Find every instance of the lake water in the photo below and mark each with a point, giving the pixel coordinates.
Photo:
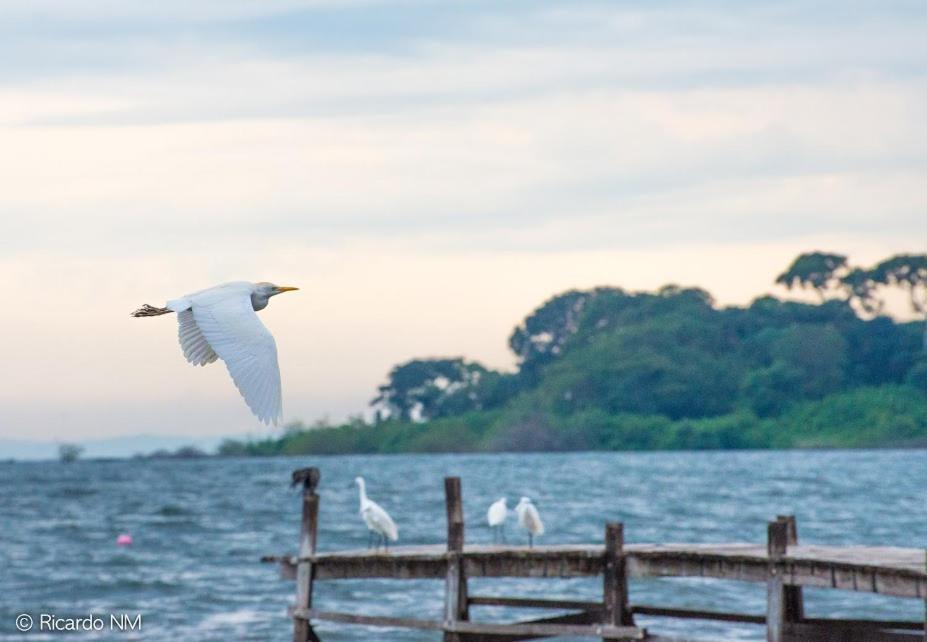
(200, 527)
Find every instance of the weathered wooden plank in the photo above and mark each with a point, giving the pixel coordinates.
(855, 569)
(368, 620)
(866, 624)
(836, 632)
(535, 603)
(691, 614)
(687, 566)
(535, 562)
(584, 617)
(534, 629)
(544, 629)
(862, 579)
(385, 566)
(744, 552)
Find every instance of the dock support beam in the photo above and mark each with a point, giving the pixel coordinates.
(776, 600)
(455, 591)
(615, 583)
(305, 574)
(794, 601)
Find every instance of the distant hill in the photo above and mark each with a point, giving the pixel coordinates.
(113, 447)
(610, 369)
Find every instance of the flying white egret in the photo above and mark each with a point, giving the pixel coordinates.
(220, 323)
(496, 516)
(378, 520)
(529, 519)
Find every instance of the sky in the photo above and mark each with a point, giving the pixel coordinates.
(426, 172)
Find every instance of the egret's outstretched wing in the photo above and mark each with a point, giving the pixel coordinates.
(235, 333)
(194, 345)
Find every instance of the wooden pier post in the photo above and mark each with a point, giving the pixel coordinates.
(615, 583)
(305, 574)
(794, 601)
(455, 596)
(777, 543)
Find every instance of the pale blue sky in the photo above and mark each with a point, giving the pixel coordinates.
(427, 171)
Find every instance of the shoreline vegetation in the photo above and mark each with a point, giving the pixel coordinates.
(883, 417)
(608, 369)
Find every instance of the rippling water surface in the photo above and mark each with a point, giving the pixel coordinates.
(200, 527)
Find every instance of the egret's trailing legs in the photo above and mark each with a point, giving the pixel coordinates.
(150, 311)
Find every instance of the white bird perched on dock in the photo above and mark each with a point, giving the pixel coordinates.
(220, 323)
(529, 519)
(496, 515)
(378, 520)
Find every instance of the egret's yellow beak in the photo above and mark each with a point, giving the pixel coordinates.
(285, 288)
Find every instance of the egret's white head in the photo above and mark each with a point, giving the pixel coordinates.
(359, 481)
(524, 500)
(264, 290)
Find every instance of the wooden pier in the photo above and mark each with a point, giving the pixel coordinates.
(782, 564)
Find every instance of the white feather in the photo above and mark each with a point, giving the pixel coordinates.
(528, 517)
(377, 519)
(224, 318)
(497, 513)
(195, 347)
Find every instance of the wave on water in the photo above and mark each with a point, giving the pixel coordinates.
(198, 533)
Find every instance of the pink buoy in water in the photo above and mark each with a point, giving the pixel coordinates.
(124, 540)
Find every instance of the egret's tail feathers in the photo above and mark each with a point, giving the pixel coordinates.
(150, 311)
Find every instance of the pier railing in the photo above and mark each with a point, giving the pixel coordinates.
(782, 564)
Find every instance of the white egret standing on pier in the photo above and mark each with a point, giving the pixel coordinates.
(220, 323)
(529, 519)
(378, 520)
(496, 515)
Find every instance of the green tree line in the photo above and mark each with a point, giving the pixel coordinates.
(606, 368)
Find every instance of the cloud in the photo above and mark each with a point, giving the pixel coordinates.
(810, 158)
(431, 171)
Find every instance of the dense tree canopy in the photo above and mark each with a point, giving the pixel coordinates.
(609, 368)
(819, 271)
(909, 272)
(424, 389)
(674, 353)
